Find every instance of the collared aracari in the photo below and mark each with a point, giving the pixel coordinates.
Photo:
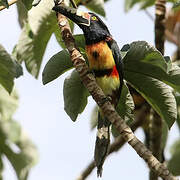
(105, 61)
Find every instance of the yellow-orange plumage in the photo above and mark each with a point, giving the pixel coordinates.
(104, 59)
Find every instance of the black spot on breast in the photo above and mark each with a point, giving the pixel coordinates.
(95, 54)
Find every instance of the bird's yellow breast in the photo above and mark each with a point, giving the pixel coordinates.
(99, 56)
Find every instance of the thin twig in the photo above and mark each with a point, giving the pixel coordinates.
(10, 3)
(108, 110)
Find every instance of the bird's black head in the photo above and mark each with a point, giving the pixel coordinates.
(93, 27)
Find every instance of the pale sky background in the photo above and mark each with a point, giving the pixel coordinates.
(66, 147)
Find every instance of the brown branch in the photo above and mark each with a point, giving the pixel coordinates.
(119, 141)
(10, 3)
(106, 107)
(160, 24)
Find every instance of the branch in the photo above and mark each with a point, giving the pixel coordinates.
(119, 141)
(160, 24)
(10, 3)
(106, 107)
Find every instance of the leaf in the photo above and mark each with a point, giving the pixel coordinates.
(143, 3)
(23, 161)
(4, 3)
(11, 130)
(141, 54)
(27, 3)
(124, 50)
(35, 36)
(75, 96)
(79, 39)
(172, 78)
(97, 6)
(8, 104)
(147, 3)
(177, 96)
(56, 66)
(124, 108)
(173, 163)
(126, 105)
(157, 94)
(9, 69)
(22, 13)
(144, 59)
(26, 156)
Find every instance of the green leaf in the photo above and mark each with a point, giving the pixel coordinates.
(35, 36)
(11, 130)
(27, 3)
(177, 96)
(8, 104)
(143, 55)
(124, 50)
(26, 157)
(75, 95)
(124, 108)
(157, 94)
(126, 105)
(23, 161)
(173, 78)
(4, 3)
(80, 41)
(144, 59)
(56, 66)
(173, 163)
(9, 69)
(22, 13)
(97, 6)
(147, 3)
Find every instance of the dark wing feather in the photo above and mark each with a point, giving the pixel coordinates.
(117, 58)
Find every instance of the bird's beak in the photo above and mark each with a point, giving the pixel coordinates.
(77, 16)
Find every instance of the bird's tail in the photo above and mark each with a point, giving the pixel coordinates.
(102, 142)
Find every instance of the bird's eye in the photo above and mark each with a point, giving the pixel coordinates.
(94, 18)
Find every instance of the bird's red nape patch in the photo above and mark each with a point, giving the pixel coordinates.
(114, 72)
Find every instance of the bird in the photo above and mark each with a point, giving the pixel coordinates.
(105, 62)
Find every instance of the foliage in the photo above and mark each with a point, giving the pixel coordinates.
(12, 134)
(144, 3)
(9, 69)
(155, 77)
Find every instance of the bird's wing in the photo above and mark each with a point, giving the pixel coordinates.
(117, 58)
